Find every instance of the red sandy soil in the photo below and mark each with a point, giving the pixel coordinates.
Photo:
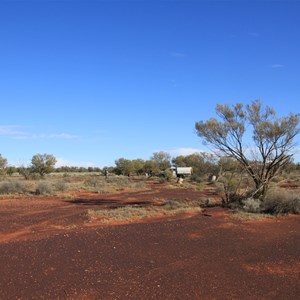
(48, 250)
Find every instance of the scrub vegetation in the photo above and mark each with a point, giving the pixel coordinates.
(135, 213)
(250, 177)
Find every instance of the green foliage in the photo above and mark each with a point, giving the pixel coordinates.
(124, 166)
(163, 159)
(160, 161)
(10, 170)
(43, 164)
(201, 162)
(73, 169)
(273, 139)
(151, 167)
(26, 172)
(129, 167)
(138, 166)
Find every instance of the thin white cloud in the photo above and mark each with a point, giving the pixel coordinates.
(277, 66)
(13, 131)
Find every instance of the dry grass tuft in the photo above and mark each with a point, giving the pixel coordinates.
(134, 213)
(247, 216)
(282, 202)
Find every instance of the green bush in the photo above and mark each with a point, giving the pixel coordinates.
(281, 202)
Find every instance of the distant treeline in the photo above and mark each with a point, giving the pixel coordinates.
(203, 164)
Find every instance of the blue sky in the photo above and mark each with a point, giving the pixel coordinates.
(94, 81)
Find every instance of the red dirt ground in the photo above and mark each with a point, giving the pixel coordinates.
(48, 250)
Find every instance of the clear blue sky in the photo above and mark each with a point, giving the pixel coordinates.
(94, 81)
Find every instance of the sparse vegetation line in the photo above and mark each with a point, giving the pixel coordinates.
(135, 213)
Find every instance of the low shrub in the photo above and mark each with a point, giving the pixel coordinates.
(209, 202)
(119, 181)
(281, 202)
(92, 182)
(251, 205)
(12, 187)
(162, 180)
(278, 179)
(171, 204)
(35, 176)
(198, 178)
(44, 188)
(61, 186)
(219, 188)
(67, 177)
